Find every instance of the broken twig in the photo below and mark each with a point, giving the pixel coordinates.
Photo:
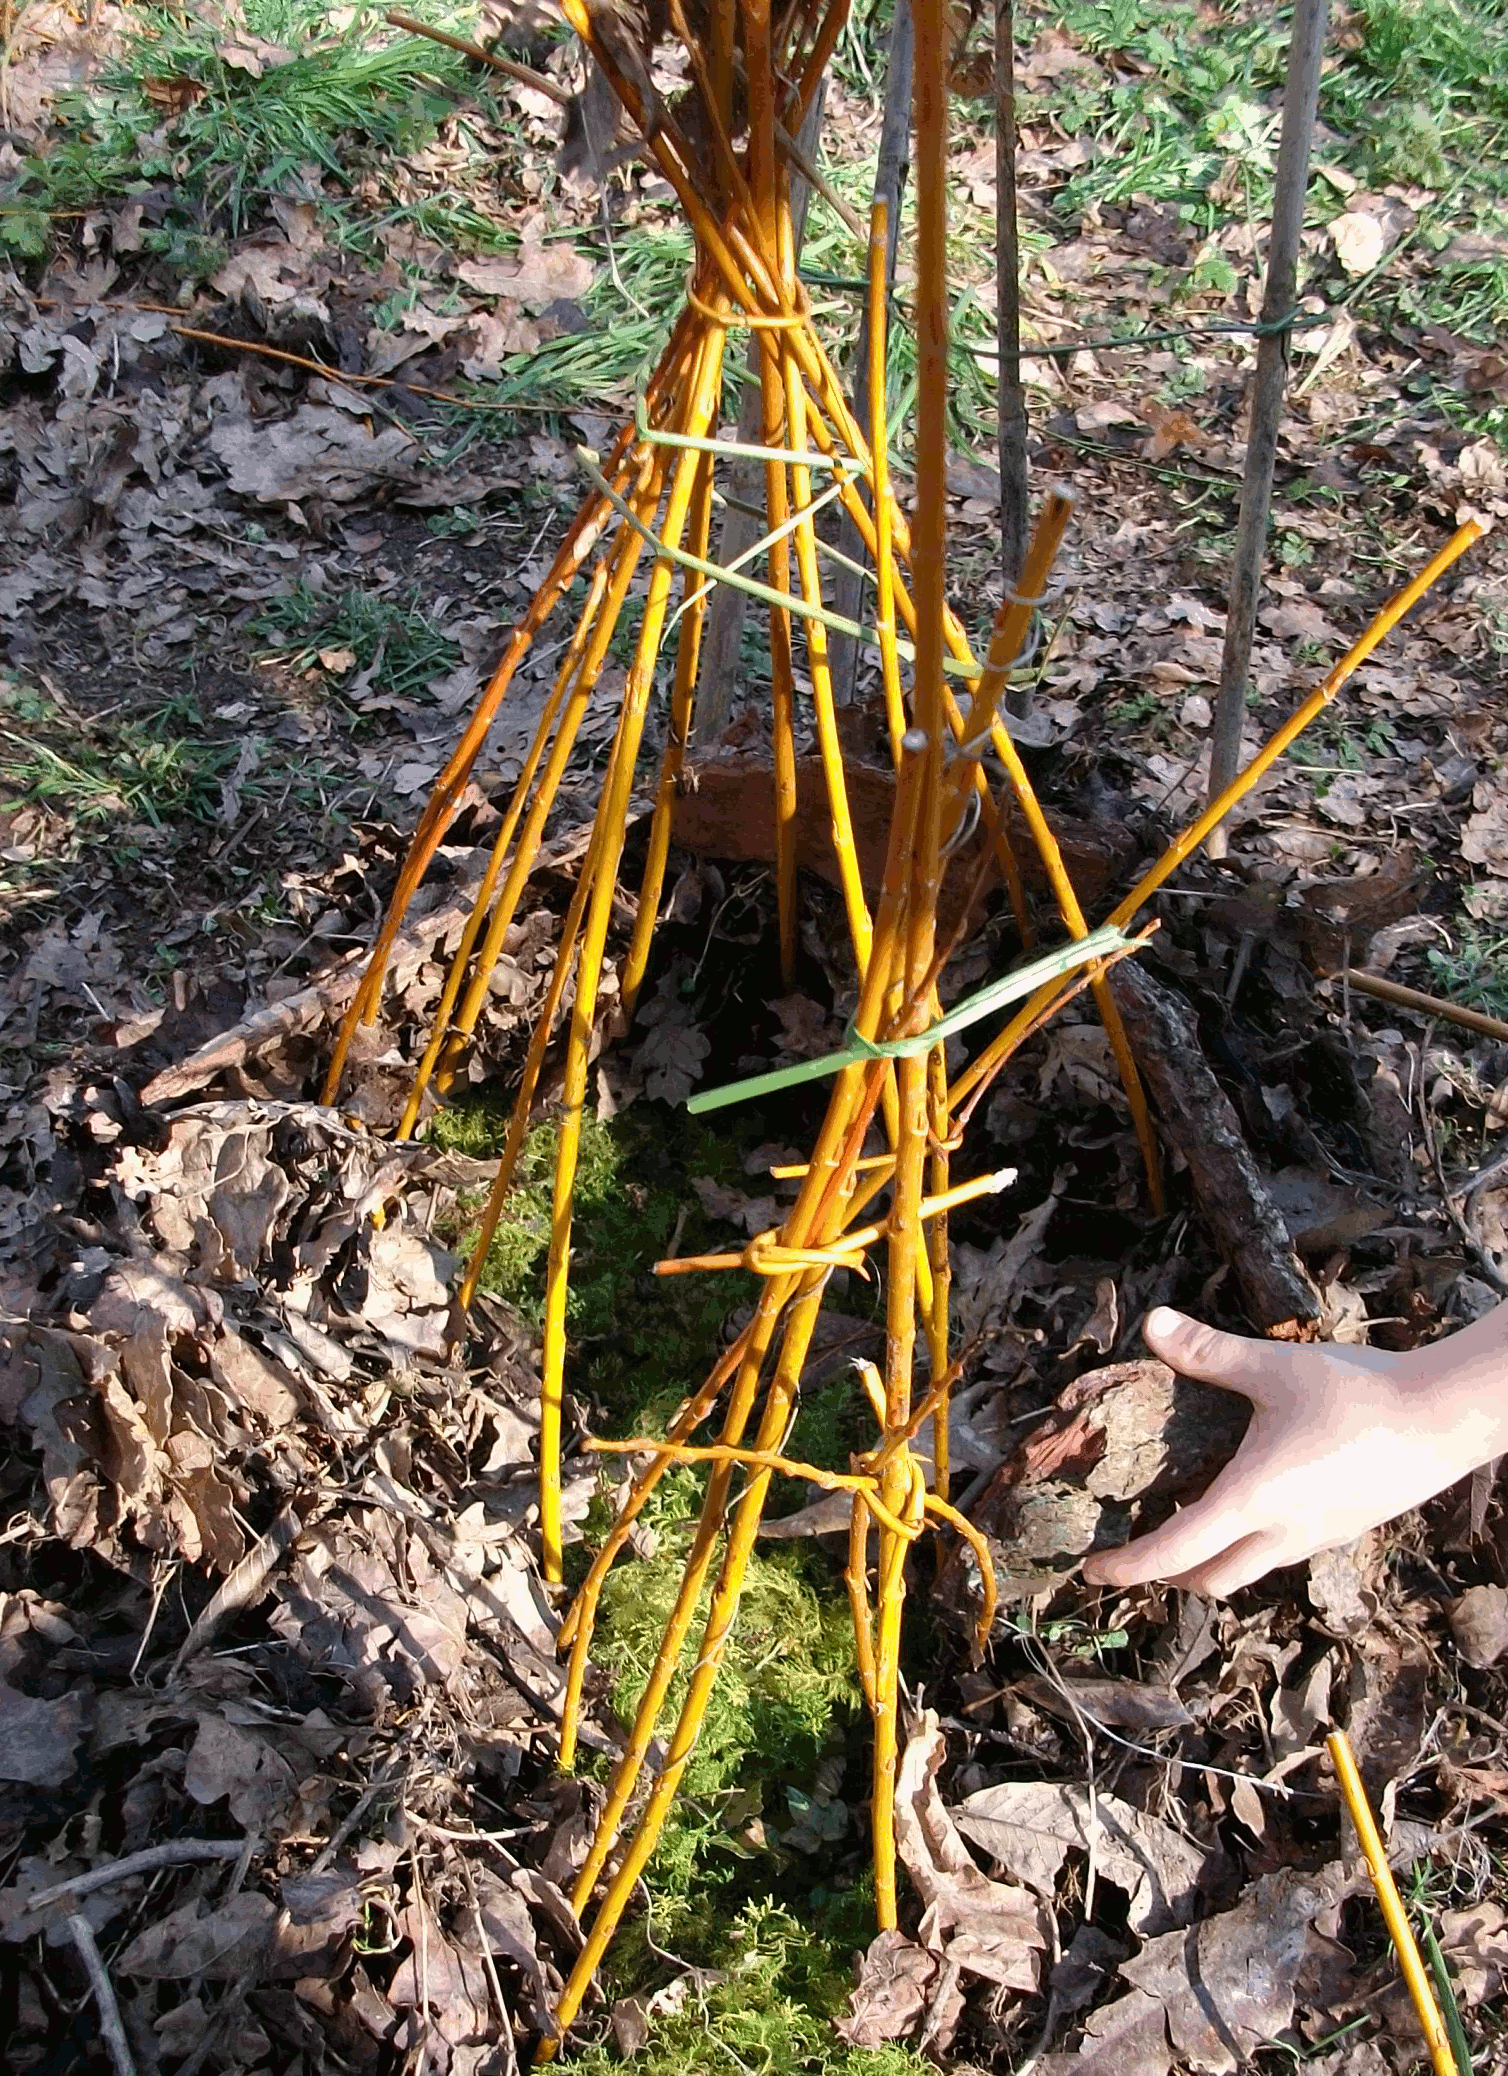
(104, 1996)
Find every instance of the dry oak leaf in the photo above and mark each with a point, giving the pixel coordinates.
(228, 1761)
(1227, 1986)
(38, 1738)
(1029, 1827)
(991, 1930)
(1484, 838)
(315, 453)
(536, 275)
(1126, 2038)
(222, 1944)
(895, 1983)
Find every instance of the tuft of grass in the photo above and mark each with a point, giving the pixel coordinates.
(1475, 970)
(245, 108)
(96, 773)
(393, 637)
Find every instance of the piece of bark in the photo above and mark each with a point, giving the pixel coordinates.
(728, 811)
(313, 1008)
(1120, 1448)
(1199, 1119)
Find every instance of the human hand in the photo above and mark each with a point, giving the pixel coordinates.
(1341, 1439)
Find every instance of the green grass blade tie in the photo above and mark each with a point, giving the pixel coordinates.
(856, 1049)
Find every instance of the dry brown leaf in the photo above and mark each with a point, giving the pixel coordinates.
(227, 1761)
(536, 276)
(896, 1979)
(441, 1982)
(1030, 1827)
(1228, 1986)
(38, 1739)
(220, 1944)
(982, 1926)
(1126, 2038)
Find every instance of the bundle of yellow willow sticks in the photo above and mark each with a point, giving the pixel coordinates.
(753, 77)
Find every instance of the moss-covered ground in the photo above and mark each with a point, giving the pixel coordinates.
(760, 1881)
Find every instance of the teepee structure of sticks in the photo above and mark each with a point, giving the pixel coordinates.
(754, 74)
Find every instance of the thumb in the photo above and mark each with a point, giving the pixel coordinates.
(1195, 1350)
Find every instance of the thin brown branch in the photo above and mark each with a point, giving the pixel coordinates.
(178, 1852)
(104, 1996)
(524, 74)
(1425, 1005)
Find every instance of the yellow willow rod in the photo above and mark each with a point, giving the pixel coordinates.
(879, 460)
(724, 1608)
(782, 676)
(767, 1256)
(1401, 603)
(1005, 1043)
(611, 817)
(767, 1459)
(935, 1303)
(688, 655)
(860, 928)
(1073, 918)
(929, 545)
(820, 1203)
(1007, 636)
(667, 1660)
(627, 552)
(837, 1152)
(460, 963)
(856, 1580)
(710, 1526)
(727, 247)
(1431, 2024)
(893, 596)
(751, 1346)
(581, 538)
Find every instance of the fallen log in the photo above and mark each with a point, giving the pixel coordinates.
(727, 810)
(1199, 1119)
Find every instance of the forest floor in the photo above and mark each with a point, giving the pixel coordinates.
(268, 1594)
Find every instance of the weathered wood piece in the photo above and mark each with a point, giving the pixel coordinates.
(1199, 1119)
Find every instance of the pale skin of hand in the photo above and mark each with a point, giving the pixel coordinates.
(1341, 1439)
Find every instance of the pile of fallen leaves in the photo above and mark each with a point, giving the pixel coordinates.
(278, 1680)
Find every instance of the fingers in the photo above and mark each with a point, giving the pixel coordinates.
(1241, 1565)
(1213, 1357)
(1196, 1536)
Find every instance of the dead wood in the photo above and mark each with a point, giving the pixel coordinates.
(728, 811)
(1199, 1119)
(314, 1008)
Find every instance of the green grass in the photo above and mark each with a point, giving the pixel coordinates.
(393, 636)
(234, 132)
(1474, 971)
(99, 773)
